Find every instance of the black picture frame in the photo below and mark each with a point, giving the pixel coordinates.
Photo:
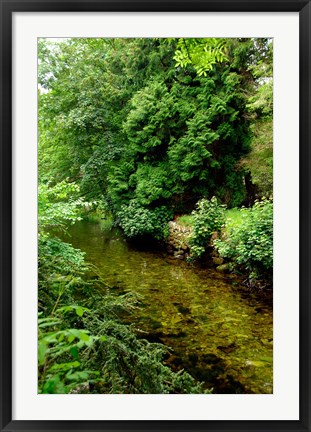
(8, 7)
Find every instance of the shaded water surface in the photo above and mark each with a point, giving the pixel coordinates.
(219, 332)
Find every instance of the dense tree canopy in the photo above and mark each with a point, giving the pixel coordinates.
(147, 123)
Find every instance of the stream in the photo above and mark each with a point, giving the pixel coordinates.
(218, 331)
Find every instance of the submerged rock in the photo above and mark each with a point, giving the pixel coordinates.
(218, 260)
(223, 268)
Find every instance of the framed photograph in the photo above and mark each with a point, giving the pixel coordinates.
(155, 215)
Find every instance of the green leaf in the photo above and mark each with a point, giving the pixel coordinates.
(74, 352)
(85, 337)
(71, 338)
(77, 376)
(42, 349)
(65, 366)
(79, 311)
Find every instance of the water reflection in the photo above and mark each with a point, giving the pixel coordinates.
(221, 334)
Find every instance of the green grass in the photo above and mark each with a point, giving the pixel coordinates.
(233, 219)
(185, 220)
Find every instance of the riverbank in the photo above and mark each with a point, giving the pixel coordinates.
(241, 244)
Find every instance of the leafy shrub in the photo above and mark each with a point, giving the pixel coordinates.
(61, 268)
(207, 219)
(250, 244)
(59, 349)
(138, 221)
(59, 205)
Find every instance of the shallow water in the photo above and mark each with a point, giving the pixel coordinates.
(218, 331)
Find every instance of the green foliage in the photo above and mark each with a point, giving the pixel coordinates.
(202, 53)
(207, 219)
(260, 102)
(146, 123)
(60, 266)
(185, 137)
(138, 221)
(260, 159)
(59, 353)
(76, 119)
(119, 118)
(250, 244)
(59, 205)
(152, 183)
(60, 272)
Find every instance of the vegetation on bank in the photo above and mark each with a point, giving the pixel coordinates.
(249, 244)
(244, 237)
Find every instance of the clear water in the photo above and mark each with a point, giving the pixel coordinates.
(217, 330)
